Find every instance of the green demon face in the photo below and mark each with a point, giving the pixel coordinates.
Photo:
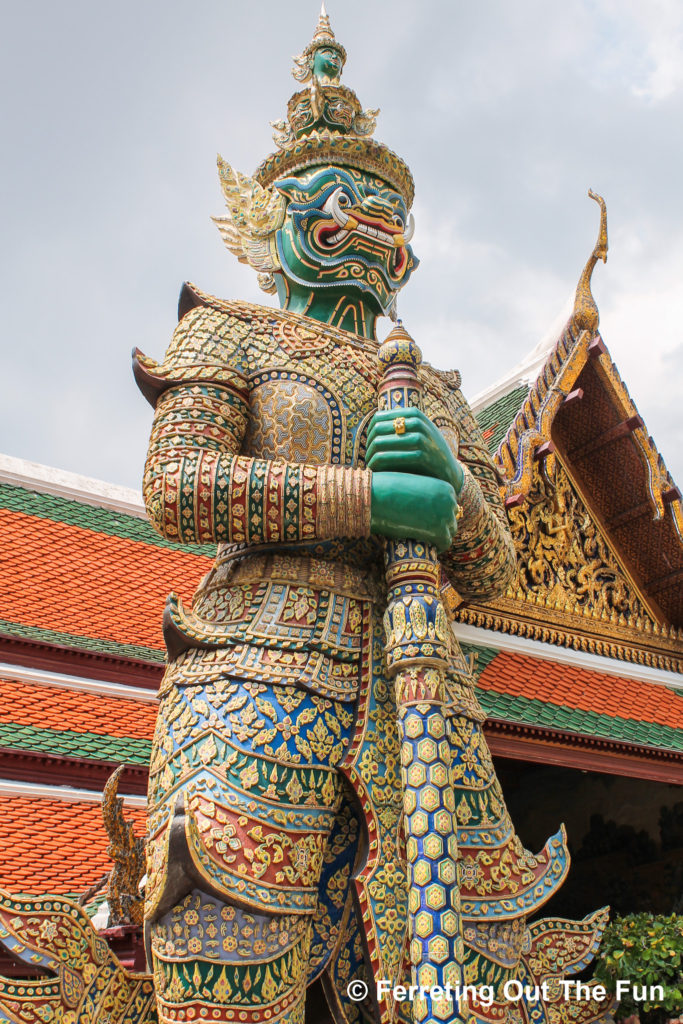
(346, 231)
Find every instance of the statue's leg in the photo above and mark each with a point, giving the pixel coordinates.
(216, 961)
(244, 790)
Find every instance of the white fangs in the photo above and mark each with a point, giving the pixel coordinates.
(341, 218)
(384, 236)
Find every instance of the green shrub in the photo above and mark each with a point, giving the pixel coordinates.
(645, 950)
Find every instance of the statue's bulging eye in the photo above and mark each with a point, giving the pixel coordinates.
(336, 201)
(398, 220)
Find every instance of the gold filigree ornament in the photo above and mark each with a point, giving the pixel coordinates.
(128, 854)
(562, 554)
(254, 215)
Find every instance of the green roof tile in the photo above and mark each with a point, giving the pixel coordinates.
(81, 643)
(484, 656)
(498, 416)
(67, 743)
(524, 710)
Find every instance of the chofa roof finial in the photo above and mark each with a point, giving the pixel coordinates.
(585, 316)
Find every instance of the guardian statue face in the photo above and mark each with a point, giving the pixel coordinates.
(345, 231)
(325, 217)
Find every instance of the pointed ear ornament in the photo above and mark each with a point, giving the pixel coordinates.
(254, 215)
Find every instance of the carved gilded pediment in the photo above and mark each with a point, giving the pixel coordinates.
(571, 587)
(564, 559)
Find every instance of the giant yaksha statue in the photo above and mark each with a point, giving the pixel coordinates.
(322, 802)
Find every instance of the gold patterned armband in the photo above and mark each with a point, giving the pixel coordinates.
(205, 496)
(343, 502)
(473, 507)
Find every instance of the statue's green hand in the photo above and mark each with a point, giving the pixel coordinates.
(420, 449)
(419, 507)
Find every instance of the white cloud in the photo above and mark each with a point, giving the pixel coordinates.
(642, 324)
(506, 113)
(643, 41)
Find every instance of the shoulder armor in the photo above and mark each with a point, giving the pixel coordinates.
(191, 297)
(207, 346)
(154, 378)
(451, 378)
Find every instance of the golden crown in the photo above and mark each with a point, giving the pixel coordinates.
(326, 124)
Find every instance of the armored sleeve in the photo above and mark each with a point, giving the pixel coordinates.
(481, 561)
(197, 487)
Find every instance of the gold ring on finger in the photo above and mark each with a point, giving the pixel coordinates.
(400, 425)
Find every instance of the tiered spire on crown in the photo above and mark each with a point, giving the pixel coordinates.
(323, 38)
(326, 123)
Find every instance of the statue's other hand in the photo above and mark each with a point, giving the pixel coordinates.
(406, 505)
(419, 448)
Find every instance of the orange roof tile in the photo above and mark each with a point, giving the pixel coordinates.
(549, 681)
(77, 581)
(52, 707)
(54, 846)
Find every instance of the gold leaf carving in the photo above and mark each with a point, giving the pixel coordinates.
(563, 559)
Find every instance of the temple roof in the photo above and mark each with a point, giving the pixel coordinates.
(575, 430)
(58, 721)
(520, 377)
(521, 414)
(598, 528)
(495, 418)
(566, 397)
(527, 690)
(83, 575)
(579, 409)
(52, 844)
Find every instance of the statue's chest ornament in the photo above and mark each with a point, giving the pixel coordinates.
(293, 417)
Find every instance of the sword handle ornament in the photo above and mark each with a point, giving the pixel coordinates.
(417, 649)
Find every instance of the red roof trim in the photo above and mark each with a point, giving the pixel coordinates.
(56, 707)
(54, 846)
(585, 753)
(109, 589)
(57, 770)
(55, 658)
(553, 682)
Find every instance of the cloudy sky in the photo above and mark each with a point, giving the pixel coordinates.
(507, 112)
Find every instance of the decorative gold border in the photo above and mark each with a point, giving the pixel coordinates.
(540, 621)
